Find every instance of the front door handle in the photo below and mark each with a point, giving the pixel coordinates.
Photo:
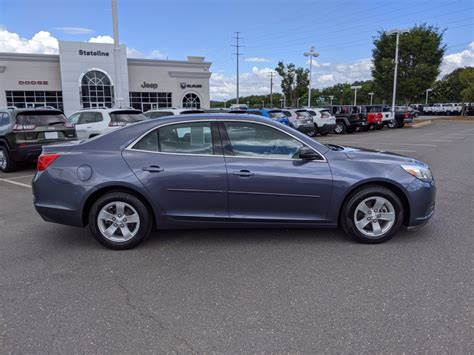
(244, 173)
(153, 169)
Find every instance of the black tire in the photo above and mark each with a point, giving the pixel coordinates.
(341, 128)
(401, 125)
(311, 133)
(392, 124)
(379, 127)
(145, 218)
(7, 165)
(365, 128)
(351, 203)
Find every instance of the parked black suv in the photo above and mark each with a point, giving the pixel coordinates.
(23, 132)
(348, 118)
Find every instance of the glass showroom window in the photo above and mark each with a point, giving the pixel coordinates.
(191, 101)
(31, 99)
(145, 101)
(96, 90)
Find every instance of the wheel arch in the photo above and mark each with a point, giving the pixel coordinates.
(392, 186)
(114, 188)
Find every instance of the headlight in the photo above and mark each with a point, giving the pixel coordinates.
(420, 172)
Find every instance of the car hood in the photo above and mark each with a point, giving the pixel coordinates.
(365, 154)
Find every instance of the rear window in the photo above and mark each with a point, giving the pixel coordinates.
(325, 114)
(158, 114)
(312, 113)
(287, 113)
(187, 112)
(127, 116)
(40, 118)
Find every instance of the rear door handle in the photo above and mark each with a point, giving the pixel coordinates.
(153, 169)
(244, 173)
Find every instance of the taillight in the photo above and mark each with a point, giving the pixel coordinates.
(45, 160)
(117, 124)
(406, 115)
(69, 125)
(23, 127)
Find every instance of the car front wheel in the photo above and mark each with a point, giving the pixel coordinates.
(120, 220)
(340, 128)
(372, 215)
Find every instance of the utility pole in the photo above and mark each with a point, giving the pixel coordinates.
(371, 94)
(263, 103)
(271, 88)
(427, 93)
(237, 54)
(397, 32)
(311, 53)
(118, 74)
(355, 88)
(331, 97)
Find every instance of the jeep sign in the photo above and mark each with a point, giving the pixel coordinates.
(146, 85)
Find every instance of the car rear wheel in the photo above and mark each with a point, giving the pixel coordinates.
(6, 163)
(372, 215)
(311, 133)
(120, 220)
(340, 128)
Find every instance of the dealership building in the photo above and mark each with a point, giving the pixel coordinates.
(91, 75)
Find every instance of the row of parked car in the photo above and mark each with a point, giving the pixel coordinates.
(445, 109)
(23, 132)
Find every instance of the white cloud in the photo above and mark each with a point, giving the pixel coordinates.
(44, 43)
(101, 39)
(75, 30)
(257, 60)
(41, 43)
(458, 60)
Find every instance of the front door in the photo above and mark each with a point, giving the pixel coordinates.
(268, 181)
(183, 169)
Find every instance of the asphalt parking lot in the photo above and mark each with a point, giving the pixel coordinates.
(249, 290)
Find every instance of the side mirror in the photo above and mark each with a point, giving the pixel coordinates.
(307, 153)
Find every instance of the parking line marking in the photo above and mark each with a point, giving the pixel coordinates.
(16, 183)
(19, 177)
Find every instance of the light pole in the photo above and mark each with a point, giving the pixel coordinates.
(427, 93)
(355, 88)
(225, 103)
(263, 103)
(298, 102)
(396, 32)
(331, 97)
(371, 94)
(311, 53)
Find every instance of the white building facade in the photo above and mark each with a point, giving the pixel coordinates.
(83, 75)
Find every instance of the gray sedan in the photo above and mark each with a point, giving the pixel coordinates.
(224, 170)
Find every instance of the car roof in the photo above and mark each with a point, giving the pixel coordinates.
(175, 110)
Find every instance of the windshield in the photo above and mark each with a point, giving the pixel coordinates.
(40, 118)
(276, 114)
(127, 116)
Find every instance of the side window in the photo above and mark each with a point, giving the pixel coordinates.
(4, 119)
(184, 138)
(74, 118)
(89, 117)
(260, 141)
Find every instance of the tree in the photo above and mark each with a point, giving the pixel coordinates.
(420, 54)
(294, 82)
(455, 86)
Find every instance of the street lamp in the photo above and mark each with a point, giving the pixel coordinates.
(298, 102)
(355, 88)
(311, 53)
(396, 32)
(331, 97)
(427, 93)
(371, 94)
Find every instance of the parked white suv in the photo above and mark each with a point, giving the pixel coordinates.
(161, 112)
(324, 120)
(301, 120)
(93, 122)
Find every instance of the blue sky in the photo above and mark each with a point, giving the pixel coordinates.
(340, 30)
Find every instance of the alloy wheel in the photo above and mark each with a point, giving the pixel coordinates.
(118, 221)
(3, 160)
(374, 216)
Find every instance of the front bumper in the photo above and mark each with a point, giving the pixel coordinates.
(422, 196)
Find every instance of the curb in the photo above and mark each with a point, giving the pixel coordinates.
(420, 124)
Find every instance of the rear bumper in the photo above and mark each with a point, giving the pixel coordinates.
(59, 202)
(307, 127)
(327, 128)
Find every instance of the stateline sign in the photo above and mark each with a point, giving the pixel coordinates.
(93, 53)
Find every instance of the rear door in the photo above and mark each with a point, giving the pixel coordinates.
(267, 180)
(182, 167)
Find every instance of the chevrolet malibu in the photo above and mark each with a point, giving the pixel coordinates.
(227, 171)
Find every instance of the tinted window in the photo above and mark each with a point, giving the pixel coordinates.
(127, 116)
(158, 114)
(259, 141)
(287, 113)
(312, 113)
(38, 118)
(149, 142)
(325, 114)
